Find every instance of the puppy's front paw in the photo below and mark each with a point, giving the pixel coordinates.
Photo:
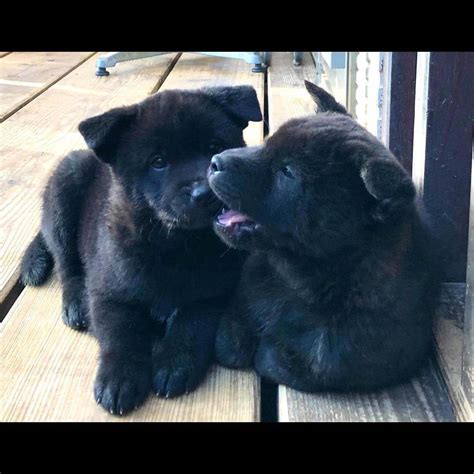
(121, 388)
(176, 374)
(74, 314)
(235, 345)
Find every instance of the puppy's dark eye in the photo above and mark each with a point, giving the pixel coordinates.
(159, 162)
(216, 147)
(286, 170)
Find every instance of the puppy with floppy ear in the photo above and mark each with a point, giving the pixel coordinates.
(128, 224)
(341, 282)
(101, 132)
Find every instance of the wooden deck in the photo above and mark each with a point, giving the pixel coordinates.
(47, 369)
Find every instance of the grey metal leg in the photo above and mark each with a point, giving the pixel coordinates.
(297, 58)
(111, 59)
(267, 58)
(260, 60)
(259, 66)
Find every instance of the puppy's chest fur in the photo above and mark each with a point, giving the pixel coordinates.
(288, 294)
(130, 255)
(180, 269)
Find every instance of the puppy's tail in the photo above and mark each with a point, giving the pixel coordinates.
(37, 263)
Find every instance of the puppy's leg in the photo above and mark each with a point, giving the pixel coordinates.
(62, 205)
(273, 363)
(182, 358)
(123, 379)
(75, 312)
(71, 275)
(235, 342)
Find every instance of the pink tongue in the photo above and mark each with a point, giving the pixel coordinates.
(232, 217)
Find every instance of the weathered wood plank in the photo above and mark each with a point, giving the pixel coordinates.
(46, 369)
(25, 75)
(47, 372)
(36, 137)
(287, 96)
(449, 336)
(422, 399)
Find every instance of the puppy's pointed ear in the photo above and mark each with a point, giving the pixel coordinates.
(390, 185)
(324, 101)
(240, 102)
(102, 132)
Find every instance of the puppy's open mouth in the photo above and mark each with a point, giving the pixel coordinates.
(231, 221)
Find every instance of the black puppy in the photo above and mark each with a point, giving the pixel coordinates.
(339, 289)
(129, 227)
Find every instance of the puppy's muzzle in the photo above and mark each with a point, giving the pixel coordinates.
(202, 196)
(234, 159)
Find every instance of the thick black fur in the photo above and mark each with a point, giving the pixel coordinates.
(129, 224)
(339, 289)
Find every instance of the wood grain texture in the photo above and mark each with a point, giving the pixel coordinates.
(449, 338)
(424, 398)
(37, 136)
(421, 400)
(449, 342)
(25, 75)
(47, 372)
(287, 96)
(46, 369)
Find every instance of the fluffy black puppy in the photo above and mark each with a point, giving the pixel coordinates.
(339, 289)
(129, 227)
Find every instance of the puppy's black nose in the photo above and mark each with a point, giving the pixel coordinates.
(217, 164)
(201, 194)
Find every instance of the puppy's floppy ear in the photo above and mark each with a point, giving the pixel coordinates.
(102, 132)
(390, 185)
(324, 100)
(241, 102)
